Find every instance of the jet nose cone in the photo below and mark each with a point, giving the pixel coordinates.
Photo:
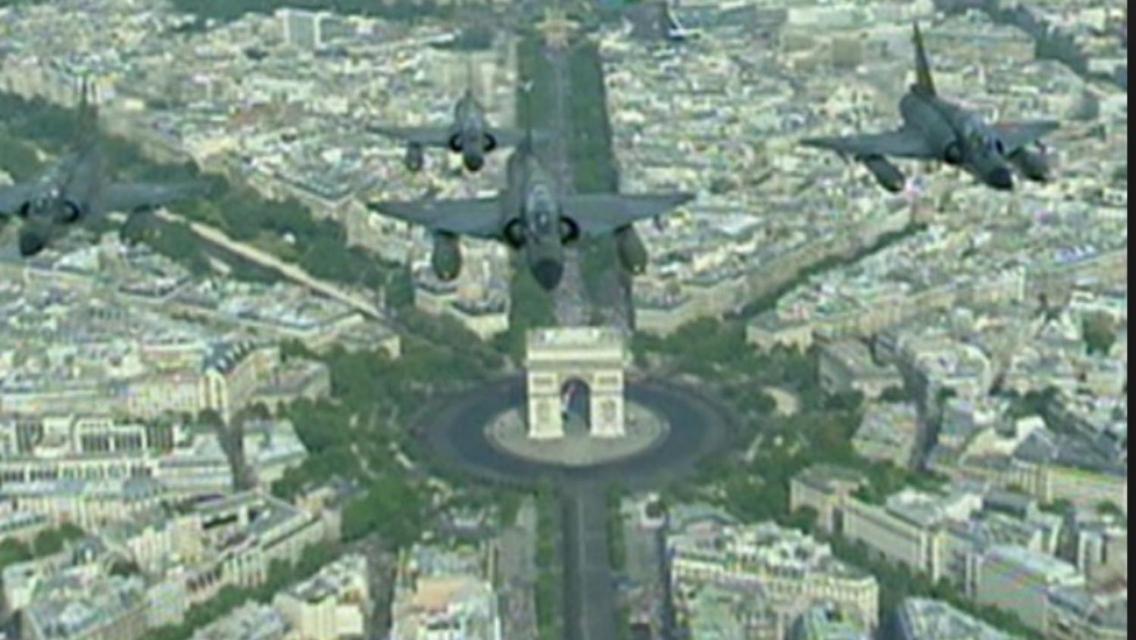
(473, 162)
(1001, 179)
(548, 273)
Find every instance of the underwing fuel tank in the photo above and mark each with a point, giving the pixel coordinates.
(446, 258)
(414, 159)
(886, 174)
(632, 253)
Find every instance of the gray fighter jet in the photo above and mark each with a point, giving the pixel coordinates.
(533, 216)
(470, 135)
(77, 187)
(938, 129)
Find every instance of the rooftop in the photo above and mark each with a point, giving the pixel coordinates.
(72, 604)
(574, 338)
(926, 619)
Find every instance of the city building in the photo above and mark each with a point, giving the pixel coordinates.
(927, 619)
(301, 28)
(333, 604)
(792, 569)
(1020, 581)
(445, 593)
(76, 604)
(89, 504)
(235, 538)
(825, 489)
(250, 621)
(888, 433)
(721, 612)
(847, 366)
(20, 525)
(1048, 466)
(907, 528)
(1102, 549)
(826, 623)
(232, 374)
(1075, 613)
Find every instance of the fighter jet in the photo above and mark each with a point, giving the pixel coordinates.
(77, 187)
(938, 129)
(470, 135)
(533, 216)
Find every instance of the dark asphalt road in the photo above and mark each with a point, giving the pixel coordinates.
(589, 590)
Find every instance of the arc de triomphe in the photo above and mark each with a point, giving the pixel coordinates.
(593, 356)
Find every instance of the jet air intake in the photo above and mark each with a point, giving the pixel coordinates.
(886, 174)
(68, 212)
(446, 258)
(632, 253)
(952, 152)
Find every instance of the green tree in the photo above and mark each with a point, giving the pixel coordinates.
(530, 307)
(894, 395)
(392, 508)
(13, 551)
(50, 541)
(804, 519)
(1099, 333)
(1106, 507)
(1061, 507)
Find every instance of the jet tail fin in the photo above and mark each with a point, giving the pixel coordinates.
(88, 112)
(923, 82)
(527, 141)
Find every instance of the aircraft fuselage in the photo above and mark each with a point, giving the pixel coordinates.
(471, 138)
(533, 220)
(72, 191)
(959, 136)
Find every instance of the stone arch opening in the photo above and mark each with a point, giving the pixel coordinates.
(576, 406)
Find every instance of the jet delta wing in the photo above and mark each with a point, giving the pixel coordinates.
(14, 197)
(901, 143)
(1018, 135)
(442, 137)
(476, 217)
(598, 214)
(424, 136)
(511, 137)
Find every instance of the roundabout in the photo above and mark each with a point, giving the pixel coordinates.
(480, 433)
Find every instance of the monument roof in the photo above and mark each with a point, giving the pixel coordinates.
(574, 337)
